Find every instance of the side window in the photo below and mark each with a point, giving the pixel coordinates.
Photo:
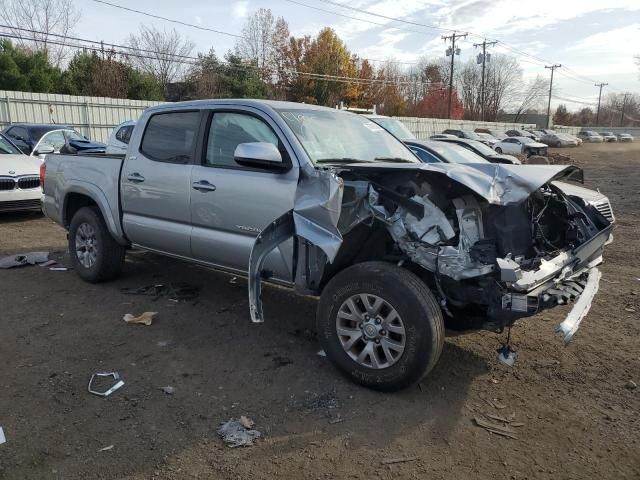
(228, 130)
(425, 156)
(124, 134)
(55, 139)
(171, 137)
(18, 132)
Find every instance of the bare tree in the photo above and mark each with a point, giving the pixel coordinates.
(534, 96)
(165, 53)
(43, 25)
(256, 44)
(503, 76)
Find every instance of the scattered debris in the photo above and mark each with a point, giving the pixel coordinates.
(116, 376)
(235, 434)
(22, 259)
(631, 385)
(145, 319)
(106, 448)
(630, 309)
(389, 461)
(169, 390)
(163, 343)
(59, 269)
(321, 353)
(338, 419)
(494, 403)
(48, 264)
(506, 356)
(246, 422)
(233, 281)
(176, 292)
(496, 428)
(3, 439)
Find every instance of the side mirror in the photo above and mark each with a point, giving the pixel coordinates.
(259, 155)
(43, 149)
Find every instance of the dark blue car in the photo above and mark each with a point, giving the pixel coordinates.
(29, 136)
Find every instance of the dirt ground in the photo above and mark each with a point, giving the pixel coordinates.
(578, 411)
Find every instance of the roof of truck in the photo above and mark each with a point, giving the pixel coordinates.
(273, 104)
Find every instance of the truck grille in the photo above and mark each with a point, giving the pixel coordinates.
(20, 205)
(604, 207)
(7, 184)
(28, 182)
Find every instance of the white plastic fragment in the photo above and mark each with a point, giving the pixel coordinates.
(169, 390)
(106, 448)
(3, 439)
(571, 324)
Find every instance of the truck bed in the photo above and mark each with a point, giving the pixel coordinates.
(96, 175)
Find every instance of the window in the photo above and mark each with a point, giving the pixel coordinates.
(19, 132)
(55, 139)
(6, 147)
(74, 136)
(425, 156)
(171, 137)
(124, 134)
(228, 130)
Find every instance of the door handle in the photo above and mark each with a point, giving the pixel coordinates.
(135, 177)
(203, 186)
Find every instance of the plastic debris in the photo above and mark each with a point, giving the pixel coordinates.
(235, 434)
(246, 422)
(3, 439)
(233, 281)
(145, 319)
(506, 356)
(176, 292)
(169, 390)
(22, 259)
(321, 353)
(116, 376)
(110, 447)
(58, 269)
(48, 264)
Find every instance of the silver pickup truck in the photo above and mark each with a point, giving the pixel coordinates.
(332, 205)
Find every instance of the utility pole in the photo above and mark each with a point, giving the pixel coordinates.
(624, 104)
(485, 59)
(552, 67)
(599, 97)
(453, 51)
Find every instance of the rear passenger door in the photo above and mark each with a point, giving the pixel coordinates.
(156, 183)
(230, 203)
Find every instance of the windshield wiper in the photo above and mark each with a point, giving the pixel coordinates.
(342, 160)
(393, 159)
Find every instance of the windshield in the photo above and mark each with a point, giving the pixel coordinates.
(6, 147)
(340, 136)
(526, 140)
(396, 127)
(455, 153)
(483, 149)
(75, 136)
(471, 134)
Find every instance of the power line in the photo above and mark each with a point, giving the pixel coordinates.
(189, 60)
(172, 20)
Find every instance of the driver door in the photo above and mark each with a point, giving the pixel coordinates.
(231, 203)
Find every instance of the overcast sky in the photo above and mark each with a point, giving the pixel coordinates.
(592, 39)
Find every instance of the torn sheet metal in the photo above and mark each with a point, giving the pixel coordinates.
(314, 217)
(116, 376)
(571, 324)
(31, 258)
(499, 184)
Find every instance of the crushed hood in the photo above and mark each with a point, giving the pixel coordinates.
(499, 184)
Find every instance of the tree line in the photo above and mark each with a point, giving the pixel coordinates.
(267, 62)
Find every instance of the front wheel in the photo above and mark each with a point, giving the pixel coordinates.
(380, 325)
(498, 150)
(94, 253)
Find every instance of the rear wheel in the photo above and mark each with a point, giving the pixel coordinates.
(380, 325)
(94, 253)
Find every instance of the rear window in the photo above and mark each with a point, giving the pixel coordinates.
(171, 137)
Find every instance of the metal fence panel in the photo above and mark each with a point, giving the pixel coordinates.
(95, 117)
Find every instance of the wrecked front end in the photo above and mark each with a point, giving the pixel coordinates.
(495, 243)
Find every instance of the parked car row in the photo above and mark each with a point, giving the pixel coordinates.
(603, 137)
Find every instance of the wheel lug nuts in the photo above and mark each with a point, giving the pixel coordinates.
(382, 332)
(377, 340)
(360, 325)
(378, 321)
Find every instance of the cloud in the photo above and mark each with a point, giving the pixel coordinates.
(610, 40)
(240, 8)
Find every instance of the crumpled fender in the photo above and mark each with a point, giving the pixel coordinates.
(314, 217)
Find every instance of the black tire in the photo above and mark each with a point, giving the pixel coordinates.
(415, 304)
(109, 253)
(498, 150)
